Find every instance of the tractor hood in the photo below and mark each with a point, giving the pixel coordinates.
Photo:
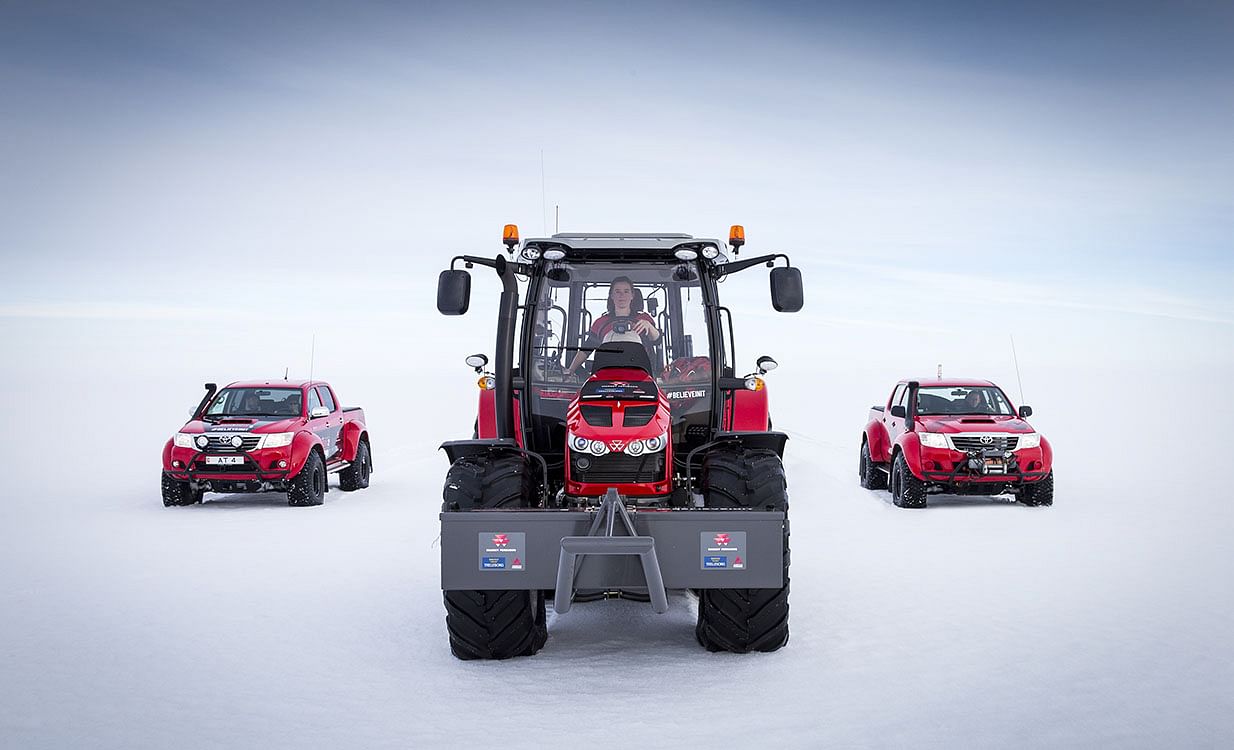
(619, 404)
(255, 425)
(970, 423)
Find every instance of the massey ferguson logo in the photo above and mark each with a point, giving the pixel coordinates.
(501, 540)
(987, 440)
(617, 445)
(722, 539)
(684, 394)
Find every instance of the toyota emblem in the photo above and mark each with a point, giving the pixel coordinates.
(987, 439)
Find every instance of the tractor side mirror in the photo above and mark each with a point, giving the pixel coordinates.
(1026, 412)
(786, 293)
(453, 292)
(898, 411)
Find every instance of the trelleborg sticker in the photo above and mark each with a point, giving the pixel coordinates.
(503, 550)
(723, 550)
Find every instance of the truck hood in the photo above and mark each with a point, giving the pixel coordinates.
(959, 423)
(256, 425)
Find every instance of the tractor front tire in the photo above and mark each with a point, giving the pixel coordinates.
(907, 491)
(309, 486)
(492, 624)
(355, 477)
(872, 477)
(744, 620)
(1040, 492)
(177, 492)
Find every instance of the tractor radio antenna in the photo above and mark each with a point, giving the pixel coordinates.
(1016, 360)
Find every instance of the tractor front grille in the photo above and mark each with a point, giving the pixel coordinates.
(974, 442)
(618, 468)
(639, 416)
(597, 416)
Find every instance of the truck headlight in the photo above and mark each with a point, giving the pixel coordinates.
(1031, 440)
(933, 439)
(276, 440)
(183, 440)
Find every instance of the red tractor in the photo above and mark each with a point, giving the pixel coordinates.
(616, 452)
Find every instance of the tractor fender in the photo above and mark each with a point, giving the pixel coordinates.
(880, 444)
(301, 445)
(748, 411)
(765, 440)
(486, 417)
(910, 445)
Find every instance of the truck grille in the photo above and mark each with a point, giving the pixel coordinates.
(221, 443)
(639, 416)
(248, 467)
(597, 416)
(619, 468)
(973, 442)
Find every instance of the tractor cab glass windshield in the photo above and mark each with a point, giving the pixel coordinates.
(577, 307)
(980, 400)
(255, 402)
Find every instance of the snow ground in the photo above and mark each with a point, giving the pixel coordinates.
(1101, 621)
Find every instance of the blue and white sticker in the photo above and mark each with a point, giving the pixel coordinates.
(503, 550)
(723, 550)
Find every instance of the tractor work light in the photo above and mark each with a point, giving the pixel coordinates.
(684, 254)
(710, 252)
(555, 253)
(531, 253)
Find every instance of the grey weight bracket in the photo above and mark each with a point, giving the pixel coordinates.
(601, 540)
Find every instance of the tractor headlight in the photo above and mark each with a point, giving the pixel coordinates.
(598, 448)
(554, 254)
(710, 251)
(531, 253)
(636, 447)
(1031, 440)
(276, 440)
(183, 440)
(933, 439)
(656, 443)
(580, 444)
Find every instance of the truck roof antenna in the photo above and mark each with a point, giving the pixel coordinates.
(312, 356)
(285, 371)
(940, 371)
(1016, 359)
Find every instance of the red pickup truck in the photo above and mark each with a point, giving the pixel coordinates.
(959, 437)
(267, 436)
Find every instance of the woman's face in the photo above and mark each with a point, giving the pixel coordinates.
(621, 294)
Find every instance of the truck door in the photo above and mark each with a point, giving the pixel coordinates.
(322, 427)
(333, 440)
(895, 425)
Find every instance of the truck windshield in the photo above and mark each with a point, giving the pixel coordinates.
(255, 402)
(982, 400)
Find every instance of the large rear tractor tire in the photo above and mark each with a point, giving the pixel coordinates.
(355, 477)
(177, 492)
(872, 477)
(309, 486)
(744, 620)
(492, 624)
(1040, 492)
(907, 491)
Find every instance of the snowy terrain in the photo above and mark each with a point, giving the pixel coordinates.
(241, 622)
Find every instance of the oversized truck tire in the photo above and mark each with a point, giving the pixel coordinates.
(355, 477)
(496, 624)
(177, 492)
(1040, 492)
(907, 491)
(872, 477)
(309, 486)
(744, 620)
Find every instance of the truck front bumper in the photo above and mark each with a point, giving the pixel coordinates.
(249, 476)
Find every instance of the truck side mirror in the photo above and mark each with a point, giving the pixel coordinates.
(898, 411)
(453, 292)
(318, 412)
(786, 293)
(1026, 412)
